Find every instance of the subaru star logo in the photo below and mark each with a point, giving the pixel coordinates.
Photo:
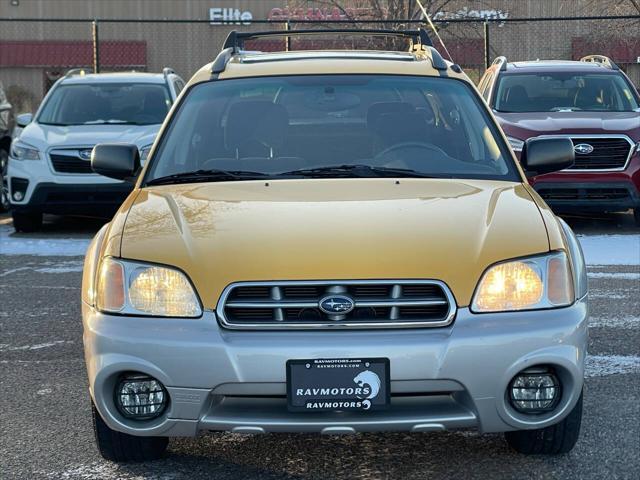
(583, 148)
(85, 154)
(336, 304)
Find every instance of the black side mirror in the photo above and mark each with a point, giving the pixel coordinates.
(545, 155)
(116, 160)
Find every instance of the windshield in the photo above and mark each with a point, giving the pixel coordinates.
(100, 103)
(558, 91)
(433, 126)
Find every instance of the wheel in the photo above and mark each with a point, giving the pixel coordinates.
(558, 438)
(27, 221)
(636, 216)
(121, 447)
(4, 186)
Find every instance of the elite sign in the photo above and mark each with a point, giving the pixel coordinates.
(228, 15)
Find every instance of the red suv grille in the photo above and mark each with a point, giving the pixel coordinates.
(607, 154)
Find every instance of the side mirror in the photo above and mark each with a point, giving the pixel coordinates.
(545, 155)
(116, 160)
(24, 119)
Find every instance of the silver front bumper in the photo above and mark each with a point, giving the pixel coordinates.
(444, 378)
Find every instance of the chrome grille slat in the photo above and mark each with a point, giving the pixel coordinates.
(400, 303)
(274, 304)
(296, 304)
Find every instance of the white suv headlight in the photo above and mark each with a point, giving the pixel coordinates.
(127, 287)
(525, 284)
(22, 151)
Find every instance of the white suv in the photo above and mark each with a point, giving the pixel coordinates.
(49, 164)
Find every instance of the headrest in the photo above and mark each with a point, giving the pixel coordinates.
(259, 121)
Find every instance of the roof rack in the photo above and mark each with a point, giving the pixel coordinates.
(502, 61)
(236, 39)
(235, 42)
(602, 60)
(77, 71)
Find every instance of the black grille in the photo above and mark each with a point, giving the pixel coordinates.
(376, 303)
(70, 164)
(559, 194)
(608, 154)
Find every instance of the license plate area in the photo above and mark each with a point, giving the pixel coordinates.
(338, 384)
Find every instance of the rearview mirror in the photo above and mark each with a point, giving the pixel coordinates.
(116, 160)
(545, 155)
(24, 119)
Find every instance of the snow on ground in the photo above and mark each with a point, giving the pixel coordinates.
(628, 322)
(611, 249)
(602, 365)
(615, 275)
(5, 347)
(61, 267)
(21, 245)
(47, 267)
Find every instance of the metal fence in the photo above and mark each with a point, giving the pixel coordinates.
(35, 52)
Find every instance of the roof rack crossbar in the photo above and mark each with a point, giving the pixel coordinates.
(234, 42)
(236, 39)
(502, 61)
(602, 60)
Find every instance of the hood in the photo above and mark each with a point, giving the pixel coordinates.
(334, 229)
(531, 124)
(44, 137)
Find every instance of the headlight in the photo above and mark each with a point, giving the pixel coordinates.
(515, 143)
(22, 151)
(144, 153)
(135, 288)
(525, 284)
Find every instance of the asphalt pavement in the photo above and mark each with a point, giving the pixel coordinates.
(45, 422)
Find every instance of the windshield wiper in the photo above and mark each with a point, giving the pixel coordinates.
(357, 171)
(207, 176)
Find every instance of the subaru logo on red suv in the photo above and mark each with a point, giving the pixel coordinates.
(583, 149)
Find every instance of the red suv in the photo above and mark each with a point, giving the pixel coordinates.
(591, 101)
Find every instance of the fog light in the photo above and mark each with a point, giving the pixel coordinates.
(18, 188)
(534, 390)
(140, 397)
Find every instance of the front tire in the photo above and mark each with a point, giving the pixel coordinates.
(121, 447)
(27, 221)
(552, 440)
(636, 216)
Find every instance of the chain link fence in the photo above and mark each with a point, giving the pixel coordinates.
(34, 53)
